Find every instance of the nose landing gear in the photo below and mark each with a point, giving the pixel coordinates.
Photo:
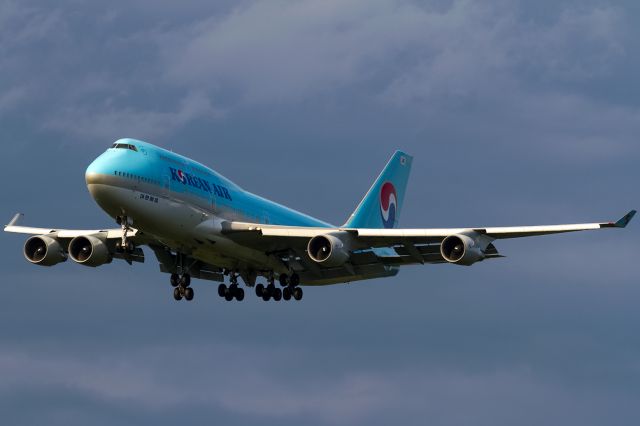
(124, 245)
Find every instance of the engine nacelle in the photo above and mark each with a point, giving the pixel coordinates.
(461, 250)
(44, 251)
(328, 250)
(89, 251)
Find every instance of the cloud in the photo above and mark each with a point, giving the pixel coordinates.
(110, 122)
(21, 25)
(285, 51)
(13, 98)
(410, 392)
(461, 61)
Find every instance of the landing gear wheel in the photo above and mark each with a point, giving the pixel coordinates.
(259, 290)
(297, 293)
(185, 281)
(286, 293)
(266, 296)
(176, 294)
(284, 280)
(294, 280)
(188, 293)
(174, 280)
(239, 295)
(222, 290)
(228, 295)
(277, 294)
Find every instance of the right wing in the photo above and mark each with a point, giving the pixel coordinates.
(66, 234)
(49, 246)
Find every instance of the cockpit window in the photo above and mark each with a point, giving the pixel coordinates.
(125, 146)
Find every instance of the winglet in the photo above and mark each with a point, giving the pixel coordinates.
(624, 221)
(15, 219)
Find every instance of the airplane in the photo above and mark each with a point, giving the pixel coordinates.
(201, 225)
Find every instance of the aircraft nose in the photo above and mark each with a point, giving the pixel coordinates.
(97, 170)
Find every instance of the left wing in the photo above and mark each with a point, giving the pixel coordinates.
(392, 246)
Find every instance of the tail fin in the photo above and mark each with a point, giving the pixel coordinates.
(381, 207)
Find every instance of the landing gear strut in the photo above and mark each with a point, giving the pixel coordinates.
(181, 281)
(124, 245)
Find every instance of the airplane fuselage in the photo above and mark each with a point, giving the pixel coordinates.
(183, 203)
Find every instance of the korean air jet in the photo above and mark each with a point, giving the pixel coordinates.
(201, 225)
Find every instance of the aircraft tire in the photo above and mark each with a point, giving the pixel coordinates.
(297, 293)
(277, 294)
(259, 290)
(188, 293)
(239, 294)
(176, 294)
(228, 295)
(286, 293)
(222, 290)
(185, 281)
(266, 296)
(294, 280)
(174, 280)
(284, 280)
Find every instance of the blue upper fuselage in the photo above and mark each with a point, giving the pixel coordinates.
(178, 177)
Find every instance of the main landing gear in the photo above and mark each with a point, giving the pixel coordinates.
(182, 286)
(234, 291)
(290, 288)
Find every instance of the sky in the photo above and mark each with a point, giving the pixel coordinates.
(516, 112)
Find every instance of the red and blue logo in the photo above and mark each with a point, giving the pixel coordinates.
(388, 204)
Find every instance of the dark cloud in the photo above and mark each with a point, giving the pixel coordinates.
(516, 114)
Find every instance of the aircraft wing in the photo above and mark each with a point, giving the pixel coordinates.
(386, 237)
(379, 236)
(111, 237)
(62, 233)
(388, 247)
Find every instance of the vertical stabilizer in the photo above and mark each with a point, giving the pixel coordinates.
(381, 207)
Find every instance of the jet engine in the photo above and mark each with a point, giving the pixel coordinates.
(44, 251)
(328, 250)
(461, 249)
(89, 251)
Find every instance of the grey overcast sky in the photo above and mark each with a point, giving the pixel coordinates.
(517, 112)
